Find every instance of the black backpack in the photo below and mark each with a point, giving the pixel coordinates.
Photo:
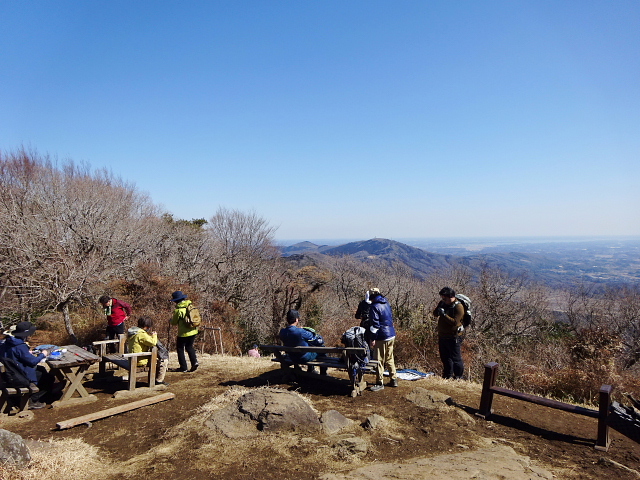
(13, 375)
(163, 352)
(354, 337)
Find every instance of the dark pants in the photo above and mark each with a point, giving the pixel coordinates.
(114, 331)
(186, 343)
(45, 384)
(452, 365)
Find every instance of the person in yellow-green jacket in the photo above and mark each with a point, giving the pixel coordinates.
(142, 339)
(186, 333)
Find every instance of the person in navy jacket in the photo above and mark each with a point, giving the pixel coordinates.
(382, 337)
(295, 336)
(15, 347)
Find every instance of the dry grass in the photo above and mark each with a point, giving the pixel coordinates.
(191, 435)
(55, 459)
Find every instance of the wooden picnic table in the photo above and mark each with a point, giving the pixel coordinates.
(70, 368)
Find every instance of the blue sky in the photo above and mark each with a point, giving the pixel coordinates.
(336, 119)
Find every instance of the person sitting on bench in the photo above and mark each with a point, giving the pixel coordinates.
(295, 336)
(15, 348)
(142, 339)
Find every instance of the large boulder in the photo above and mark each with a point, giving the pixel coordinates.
(13, 449)
(264, 410)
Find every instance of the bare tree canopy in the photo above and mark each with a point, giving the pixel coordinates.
(64, 231)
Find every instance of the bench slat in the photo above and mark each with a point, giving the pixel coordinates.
(281, 348)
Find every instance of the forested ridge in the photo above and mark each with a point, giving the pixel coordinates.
(69, 234)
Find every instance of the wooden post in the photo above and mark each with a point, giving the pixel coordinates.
(133, 372)
(153, 366)
(486, 400)
(602, 443)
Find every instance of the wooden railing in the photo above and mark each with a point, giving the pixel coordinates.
(489, 389)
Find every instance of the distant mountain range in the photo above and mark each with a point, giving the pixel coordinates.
(559, 264)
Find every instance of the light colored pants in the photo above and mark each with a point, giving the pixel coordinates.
(383, 352)
(161, 369)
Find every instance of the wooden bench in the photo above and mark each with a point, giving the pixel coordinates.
(101, 347)
(23, 394)
(489, 389)
(339, 362)
(131, 360)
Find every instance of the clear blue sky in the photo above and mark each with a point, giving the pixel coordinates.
(342, 119)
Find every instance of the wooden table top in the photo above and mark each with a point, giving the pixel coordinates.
(74, 356)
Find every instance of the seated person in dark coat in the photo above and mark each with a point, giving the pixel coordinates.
(16, 348)
(296, 336)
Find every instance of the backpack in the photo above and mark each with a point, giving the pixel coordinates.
(317, 340)
(13, 375)
(354, 337)
(192, 318)
(163, 353)
(466, 303)
(362, 314)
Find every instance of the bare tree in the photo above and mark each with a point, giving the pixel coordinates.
(66, 230)
(507, 307)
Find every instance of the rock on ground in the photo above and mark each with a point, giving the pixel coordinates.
(496, 462)
(13, 449)
(333, 421)
(264, 410)
(429, 399)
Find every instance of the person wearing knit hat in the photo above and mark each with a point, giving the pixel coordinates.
(186, 333)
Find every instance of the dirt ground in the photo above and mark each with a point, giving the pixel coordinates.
(170, 438)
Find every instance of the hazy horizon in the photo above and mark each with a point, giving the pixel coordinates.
(470, 240)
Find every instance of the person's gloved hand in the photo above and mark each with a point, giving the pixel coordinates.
(441, 312)
(460, 329)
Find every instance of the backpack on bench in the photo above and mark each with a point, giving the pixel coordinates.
(13, 375)
(354, 337)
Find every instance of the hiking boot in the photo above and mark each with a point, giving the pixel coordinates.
(36, 405)
(194, 367)
(376, 388)
(166, 384)
(393, 382)
(181, 370)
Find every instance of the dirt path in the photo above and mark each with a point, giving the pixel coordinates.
(170, 439)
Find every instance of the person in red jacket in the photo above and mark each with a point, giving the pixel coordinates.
(117, 312)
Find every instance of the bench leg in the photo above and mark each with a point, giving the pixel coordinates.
(23, 404)
(133, 373)
(5, 403)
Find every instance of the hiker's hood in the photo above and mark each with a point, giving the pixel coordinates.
(379, 299)
(13, 341)
(133, 331)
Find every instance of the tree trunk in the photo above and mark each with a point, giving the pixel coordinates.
(67, 322)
